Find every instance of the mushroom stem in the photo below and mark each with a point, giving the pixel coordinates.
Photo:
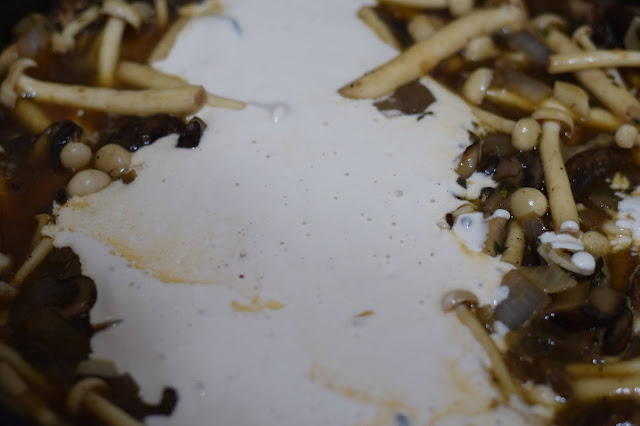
(104, 410)
(31, 116)
(619, 100)
(30, 374)
(180, 101)
(603, 387)
(147, 77)
(423, 56)
(422, 4)
(64, 41)
(493, 121)
(582, 36)
(40, 251)
(167, 41)
(499, 368)
(561, 202)
(514, 244)
(12, 383)
(613, 369)
(109, 53)
(570, 62)
(369, 16)
(162, 12)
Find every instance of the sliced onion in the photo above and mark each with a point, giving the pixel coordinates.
(524, 301)
(528, 43)
(549, 278)
(525, 86)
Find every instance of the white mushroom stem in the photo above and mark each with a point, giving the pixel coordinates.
(369, 16)
(493, 121)
(30, 374)
(207, 7)
(514, 244)
(14, 385)
(168, 39)
(616, 98)
(8, 95)
(31, 116)
(147, 77)
(498, 367)
(180, 101)
(421, 4)
(608, 369)
(561, 202)
(40, 251)
(570, 62)
(64, 41)
(162, 12)
(86, 396)
(603, 387)
(109, 54)
(582, 36)
(104, 410)
(423, 56)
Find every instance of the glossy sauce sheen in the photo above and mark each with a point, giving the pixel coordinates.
(290, 219)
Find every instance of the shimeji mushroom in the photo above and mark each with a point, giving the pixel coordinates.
(65, 41)
(561, 202)
(120, 14)
(180, 101)
(162, 12)
(87, 395)
(619, 100)
(423, 56)
(456, 7)
(144, 76)
(460, 301)
(582, 36)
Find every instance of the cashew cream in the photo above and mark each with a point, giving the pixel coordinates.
(289, 270)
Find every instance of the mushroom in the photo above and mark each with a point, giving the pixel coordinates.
(561, 202)
(461, 301)
(423, 56)
(12, 383)
(29, 373)
(144, 76)
(475, 87)
(88, 395)
(179, 100)
(582, 36)
(64, 41)
(570, 62)
(39, 252)
(162, 12)
(120, 14)
(493, 121)
(619, 100)
(514, 244)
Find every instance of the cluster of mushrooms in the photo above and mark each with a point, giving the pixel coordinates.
(578, 99)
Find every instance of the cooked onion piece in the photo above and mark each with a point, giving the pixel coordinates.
(423, 56)
(64, 41)
(369, 16)
(616, 98)
(120, 14)
(146, 77)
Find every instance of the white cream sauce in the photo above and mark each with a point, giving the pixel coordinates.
(292, 219)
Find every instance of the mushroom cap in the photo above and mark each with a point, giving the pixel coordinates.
(455, 298)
